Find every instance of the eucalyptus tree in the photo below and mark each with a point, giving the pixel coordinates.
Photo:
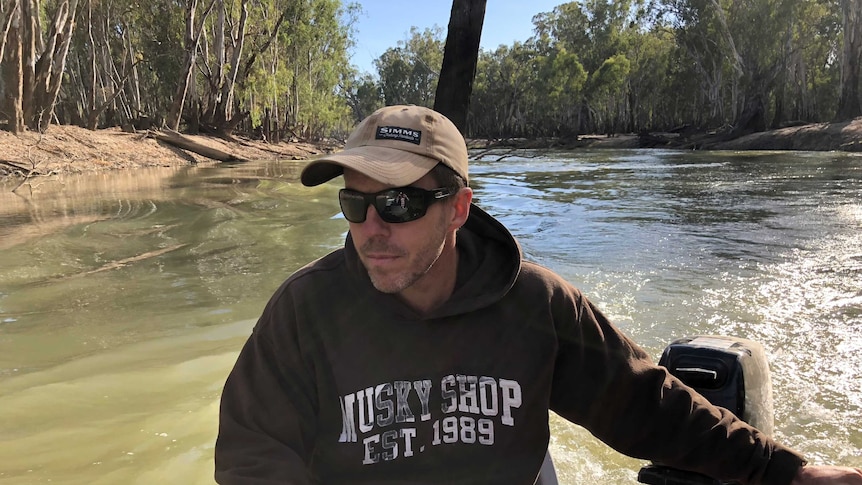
(155, 33)
(742, 47)
(105, 81)
(761, 31)
(223, 44)
(34, 59)
(295, 81)
(505, 94)
(363, 94)
(850, 102)
(561, 80)
(807, 88)
(263, 80)
(194, 25)
(322, 61)
(599, 33)
(653, 102)
(697, 30)
(12, 62)
(408, 73)
(124, 64)
(278, 63)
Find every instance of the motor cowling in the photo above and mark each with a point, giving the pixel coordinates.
(730, 372)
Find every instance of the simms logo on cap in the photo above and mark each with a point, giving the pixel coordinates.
(401, 134)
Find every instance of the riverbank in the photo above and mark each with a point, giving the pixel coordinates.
(844, 136)
(71, 149)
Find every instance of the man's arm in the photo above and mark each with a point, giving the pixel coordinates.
(828, 475)
(268, 410)
(609, 385)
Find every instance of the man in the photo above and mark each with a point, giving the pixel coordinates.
(427, 351)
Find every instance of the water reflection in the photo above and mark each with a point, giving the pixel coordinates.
(93, 255)
(124, 298)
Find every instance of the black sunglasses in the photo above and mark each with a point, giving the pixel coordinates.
(401, 204)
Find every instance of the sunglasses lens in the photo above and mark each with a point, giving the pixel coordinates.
(353, 205)
(400, 205)
(394, 206)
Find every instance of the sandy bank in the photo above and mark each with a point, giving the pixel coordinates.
(71, 149)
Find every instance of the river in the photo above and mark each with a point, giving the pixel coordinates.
(125, 297)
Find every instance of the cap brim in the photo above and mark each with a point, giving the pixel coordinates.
(386, 165)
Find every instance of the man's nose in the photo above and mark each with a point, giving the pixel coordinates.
(373, 223)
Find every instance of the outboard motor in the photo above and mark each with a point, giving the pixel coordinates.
(729, 372)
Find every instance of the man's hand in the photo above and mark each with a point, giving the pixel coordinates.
(828, 475)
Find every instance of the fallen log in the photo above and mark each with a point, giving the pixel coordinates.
(175, 139)
(14, 166)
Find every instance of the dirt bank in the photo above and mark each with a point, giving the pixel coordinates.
(845, 136)
(70, 149)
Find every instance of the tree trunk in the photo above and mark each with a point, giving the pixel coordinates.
(135, 80)
(219, 54)
(850, 101)
(13, 72)
(175, 113)
(460, 56)
(175, 139)
(40, 79)
(752, 119)
(223, 114)
(54, 77)
(780, 108)
(29, 31)
(96, 111)
(10, 8)
(91, 99)
(193, 35)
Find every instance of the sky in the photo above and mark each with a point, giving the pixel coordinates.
(384, 22)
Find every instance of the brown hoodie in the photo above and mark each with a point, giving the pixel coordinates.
(340, 383)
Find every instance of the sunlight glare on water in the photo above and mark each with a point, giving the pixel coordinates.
(669, 244)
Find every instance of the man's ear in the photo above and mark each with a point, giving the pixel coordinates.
(461, 204)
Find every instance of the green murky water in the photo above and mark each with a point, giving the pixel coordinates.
(124, 298)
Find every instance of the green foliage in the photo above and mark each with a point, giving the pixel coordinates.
(504, 92)
(662, 65)
(565, 76)
(611, 76)
(363, 94)
(292, 67)
(653, 67)
(591, 66)
(408, 73)
(118, 37)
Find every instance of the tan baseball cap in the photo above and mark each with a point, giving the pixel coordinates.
(397, 146)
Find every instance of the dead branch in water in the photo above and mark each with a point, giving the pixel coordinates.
(123, 262)
(511, 152)
(135, 259)
(33, 163)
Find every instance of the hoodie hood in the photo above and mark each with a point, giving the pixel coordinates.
(488, 265)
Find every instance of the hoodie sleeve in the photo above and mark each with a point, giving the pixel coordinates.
(268, 409)
(606, 383)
